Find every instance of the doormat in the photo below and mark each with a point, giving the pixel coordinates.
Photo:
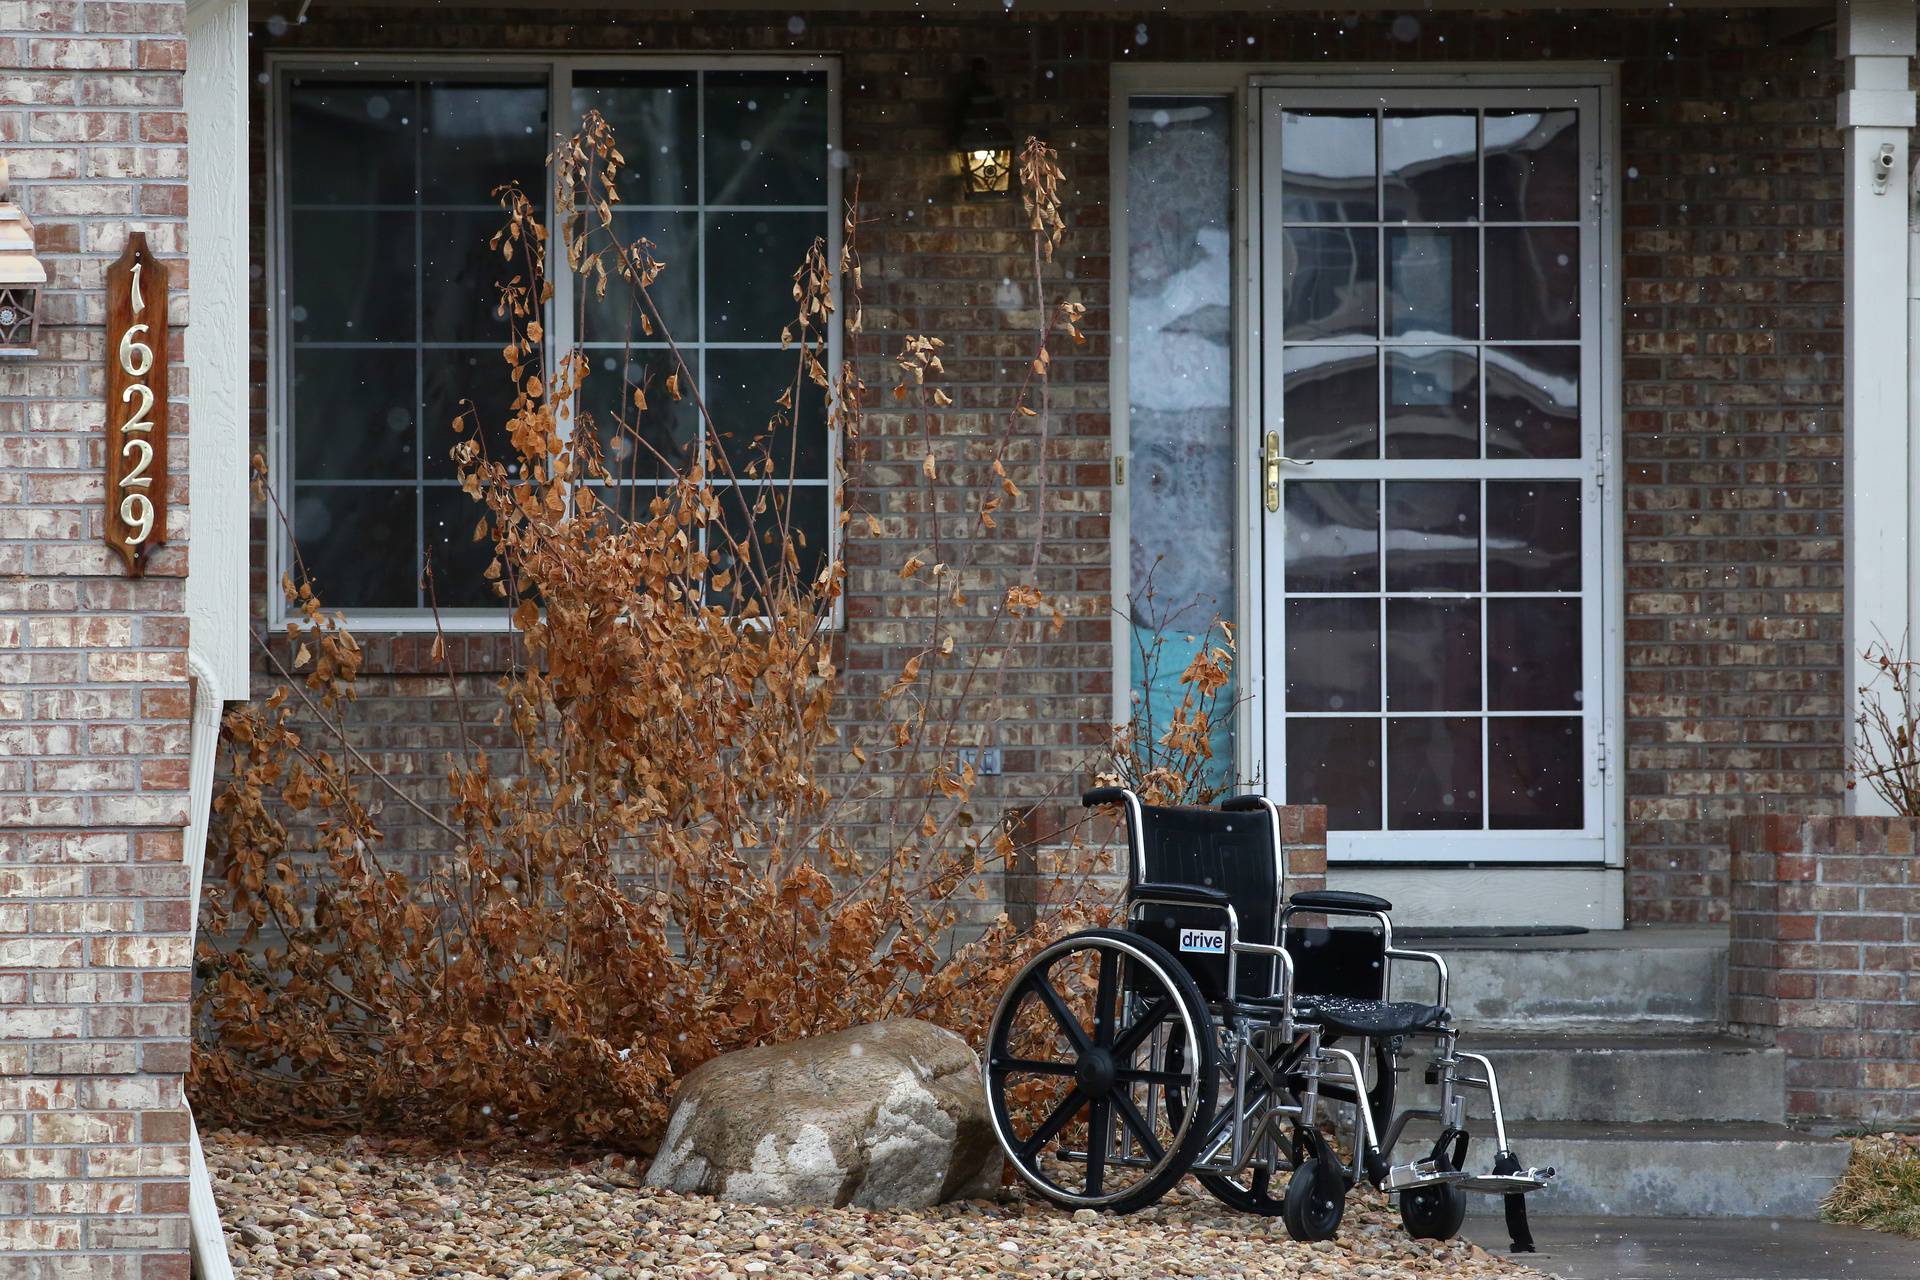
(1445, 933)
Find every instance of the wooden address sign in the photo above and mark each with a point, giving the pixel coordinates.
(136, 404)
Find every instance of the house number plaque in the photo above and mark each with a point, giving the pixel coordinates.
(136, 404)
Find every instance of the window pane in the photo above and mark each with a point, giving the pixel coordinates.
(1533, 166)
(1433, 284)
(1533, 535)
(1533, 655)
(1327, 166)
(459, 563)
(461, 275)
(768, 521)
(1180, 486)
(1431, 167)
(1332, 283)
(1534, 780)
(456, 381)
(1533, 402)
(1533, 283)
(1433, 773)
(352, 414)
(1336, 762)
(1433, 655)
(766, 138)
(1433, 535)
(743, 396)
(1333, 535)
(354, 142)
(656, 125)
(1333, 655)
(1332, 402)
(750, 296)
(337, 526)
(476, 137)
(1433, 403)
(638, 445)
(614, 316)
(352, 276)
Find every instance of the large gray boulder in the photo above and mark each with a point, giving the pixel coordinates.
(889, 1115)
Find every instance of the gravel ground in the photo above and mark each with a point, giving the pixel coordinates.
(357, 1209)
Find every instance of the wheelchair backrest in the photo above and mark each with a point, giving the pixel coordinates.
(1232, 852)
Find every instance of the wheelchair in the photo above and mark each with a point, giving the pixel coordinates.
(1209, 1034)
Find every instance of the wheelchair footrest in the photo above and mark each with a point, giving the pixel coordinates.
(1421, 1173)
(1508, 1183)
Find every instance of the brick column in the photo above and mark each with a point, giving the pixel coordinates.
(1824, 958)
(94, 700)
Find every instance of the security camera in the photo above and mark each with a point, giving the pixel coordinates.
(1883, 168)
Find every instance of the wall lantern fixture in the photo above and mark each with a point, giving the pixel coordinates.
(22, 278)
(984, 140)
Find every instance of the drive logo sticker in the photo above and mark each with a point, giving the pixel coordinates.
(1208, 942)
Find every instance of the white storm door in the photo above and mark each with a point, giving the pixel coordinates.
(1433, 522)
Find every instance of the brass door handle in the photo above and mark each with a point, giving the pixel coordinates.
(1274, 458)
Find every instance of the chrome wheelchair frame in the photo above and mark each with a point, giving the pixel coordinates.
(1150, 1083)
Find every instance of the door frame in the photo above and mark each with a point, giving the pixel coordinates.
(1592, 893)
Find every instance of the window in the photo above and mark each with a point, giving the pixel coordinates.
(1434, 566)
(1178, 502)
(386, 287)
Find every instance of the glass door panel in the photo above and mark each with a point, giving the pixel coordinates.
(1430, 328)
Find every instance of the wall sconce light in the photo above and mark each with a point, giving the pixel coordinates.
(984, 139)
(22, 277)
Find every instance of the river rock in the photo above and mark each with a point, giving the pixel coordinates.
(890, 1115)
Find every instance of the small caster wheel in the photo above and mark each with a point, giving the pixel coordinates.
(1310, 1212)
(1433, 1213)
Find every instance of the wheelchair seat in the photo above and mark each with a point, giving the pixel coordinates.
(1349, 1016)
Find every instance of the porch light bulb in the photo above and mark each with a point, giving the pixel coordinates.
(989, 169)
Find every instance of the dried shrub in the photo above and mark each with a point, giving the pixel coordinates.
(1166, 751)
(662, 865)
(1885, 752)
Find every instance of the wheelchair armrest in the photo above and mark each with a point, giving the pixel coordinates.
(1338, 900)
(1197, 895)
(1425, 957)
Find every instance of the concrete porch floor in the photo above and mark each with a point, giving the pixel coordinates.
(1705, 1249)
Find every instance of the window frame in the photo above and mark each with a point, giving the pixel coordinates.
(558, 72)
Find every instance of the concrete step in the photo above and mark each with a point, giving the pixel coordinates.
(1608, 982)
(1669, 1170)
(1632, 1079)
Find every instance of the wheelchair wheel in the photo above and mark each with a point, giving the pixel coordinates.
(1313, 1211)
(1077, 1096)
(1433, 1213)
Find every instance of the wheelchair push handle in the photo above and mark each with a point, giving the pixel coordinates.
(1098, 796)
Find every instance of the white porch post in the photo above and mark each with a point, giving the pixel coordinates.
(1876, 111)
(216, 350)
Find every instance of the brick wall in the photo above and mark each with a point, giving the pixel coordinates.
(1728, 182)
(1826, 946)
(94, 699)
